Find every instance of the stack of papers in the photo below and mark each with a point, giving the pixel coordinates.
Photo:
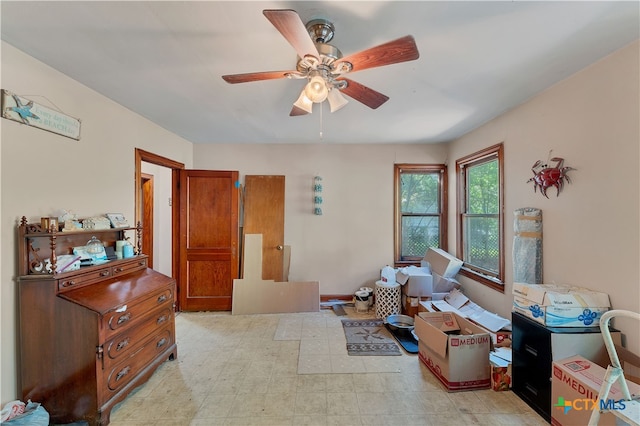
(500, 357)
(460, 304)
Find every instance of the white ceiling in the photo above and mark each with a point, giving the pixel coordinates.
(164, 60)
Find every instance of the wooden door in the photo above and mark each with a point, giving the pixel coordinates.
(147, 217)
(208, 239)
(264, 214)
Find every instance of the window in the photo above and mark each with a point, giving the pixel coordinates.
(420, 210)
(480, 216)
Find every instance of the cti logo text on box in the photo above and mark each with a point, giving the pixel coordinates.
(587, 404)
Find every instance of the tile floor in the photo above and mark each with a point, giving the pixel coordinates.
(293, 369)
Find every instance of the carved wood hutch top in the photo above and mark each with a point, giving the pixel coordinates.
(36, 245)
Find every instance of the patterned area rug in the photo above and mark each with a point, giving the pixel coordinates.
(368, 337)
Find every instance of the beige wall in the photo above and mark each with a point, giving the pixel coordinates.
(591, 231)
(345, 248)
(43, 172)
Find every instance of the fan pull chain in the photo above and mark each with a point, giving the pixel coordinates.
(322, 103)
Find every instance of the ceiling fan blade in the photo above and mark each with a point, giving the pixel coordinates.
(363, 94)
(400, 50)
(257, 76)
(290, 25)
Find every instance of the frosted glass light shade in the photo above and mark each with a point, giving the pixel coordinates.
(336, 100)
(304, 103)
(316, 90)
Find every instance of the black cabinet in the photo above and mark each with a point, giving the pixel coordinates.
(535, 347)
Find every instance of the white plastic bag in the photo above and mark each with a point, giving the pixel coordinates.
(11, 409)
(388, 275)
(16, 413)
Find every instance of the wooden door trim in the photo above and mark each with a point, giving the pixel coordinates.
(175, 166)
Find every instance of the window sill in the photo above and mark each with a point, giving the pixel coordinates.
(403, 263)
(491, 282)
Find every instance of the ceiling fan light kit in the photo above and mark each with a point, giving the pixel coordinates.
(316, 90)
(336, 100)
(324, 66)
(303, 103)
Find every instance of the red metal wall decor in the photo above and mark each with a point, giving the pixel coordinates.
(545, 176)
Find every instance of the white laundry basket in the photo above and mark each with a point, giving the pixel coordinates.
(387, 299)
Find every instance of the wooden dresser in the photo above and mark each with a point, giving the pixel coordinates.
(89, 337)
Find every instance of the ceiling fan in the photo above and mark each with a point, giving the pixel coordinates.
(324, 66)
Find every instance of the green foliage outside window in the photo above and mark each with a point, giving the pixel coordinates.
(420, 211)
(481, 222)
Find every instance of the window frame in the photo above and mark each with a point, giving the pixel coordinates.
(468, 270)
(398, 170)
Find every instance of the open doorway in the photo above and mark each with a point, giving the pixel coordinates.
(148, 209)
(162, 173)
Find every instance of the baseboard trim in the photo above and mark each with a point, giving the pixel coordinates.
(329, 297)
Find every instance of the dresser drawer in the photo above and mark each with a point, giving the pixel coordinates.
(126, 267)
(122, 373)
(127, 315)
(126, 343)
(80, 280)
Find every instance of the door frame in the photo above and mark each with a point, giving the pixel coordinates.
(175, 166)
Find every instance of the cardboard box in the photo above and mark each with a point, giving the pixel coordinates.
(442, 284)
(503, 338)
(501, 377)
(454, 349)
(410, 305)
(575, 383)
(500, 362)
(456, 302)
(415, 281)
(468, 309)
(560, 306)
(442, 262)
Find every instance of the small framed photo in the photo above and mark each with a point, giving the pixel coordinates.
(117, 220)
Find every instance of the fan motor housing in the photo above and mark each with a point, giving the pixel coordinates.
(328, 54)
(320, 30)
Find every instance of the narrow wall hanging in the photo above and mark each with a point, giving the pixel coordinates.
(317, 195)
(545, 176)
(26, 111)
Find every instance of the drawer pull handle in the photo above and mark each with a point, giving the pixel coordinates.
(141, 263)
(122, 344)
(118, 270)
(104, 273)
(161, 342)
(68, 283)
(162, 298)
(531, 389)
(531, 350)
(124, 318)
(123, 373)
(161, 319)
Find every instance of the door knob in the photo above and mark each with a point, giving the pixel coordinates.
(279, 247)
